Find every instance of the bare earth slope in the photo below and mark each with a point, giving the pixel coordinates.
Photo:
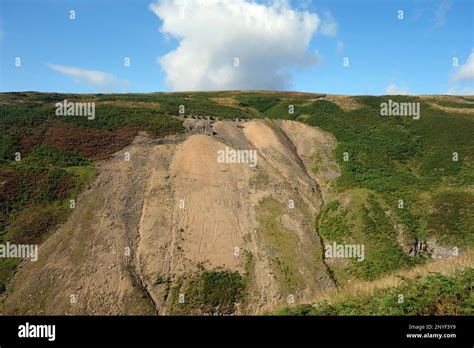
(173, 210)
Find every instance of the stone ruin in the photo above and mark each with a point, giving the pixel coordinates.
(199, 124)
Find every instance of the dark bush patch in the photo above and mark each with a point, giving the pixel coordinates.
(31, 224)
(211, 292)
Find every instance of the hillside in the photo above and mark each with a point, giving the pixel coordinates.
(159, 225)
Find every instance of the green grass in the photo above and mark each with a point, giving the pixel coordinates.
(320, 107)
(332, 223)
(84, 173)
(49, 156)
(452, 104)
(111, 117)
(433, 295)
(260, 102)
(452, 217)
(383, 254)
(281, 243)
(7, 268)
(401, 158)
(365, 222)
(399, 154)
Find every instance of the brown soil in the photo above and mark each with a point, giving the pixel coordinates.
(137, 206)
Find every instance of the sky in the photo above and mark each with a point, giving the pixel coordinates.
(335, 46)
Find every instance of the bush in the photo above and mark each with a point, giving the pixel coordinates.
(433, 295)
(48, 155)
(211, 292)
(257, 101)
(332, 223)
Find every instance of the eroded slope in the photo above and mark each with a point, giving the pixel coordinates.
(149, 225)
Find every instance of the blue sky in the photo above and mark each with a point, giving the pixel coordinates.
(386, 54)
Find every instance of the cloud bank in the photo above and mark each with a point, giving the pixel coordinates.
(466, 71)
(238, 44)
(329, 25)
(102, 80)
(393, 89)
(462, 78)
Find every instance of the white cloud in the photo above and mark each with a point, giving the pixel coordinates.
(440, 15)
(466, 90)
(393, 89)
(267, 39)
(329, 25)
(461, 79)
(466, 71)
(102, 80)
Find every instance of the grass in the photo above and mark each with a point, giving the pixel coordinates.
(281, 243)
(398, 154)
(366, 220)
(451, 217)
(49, 156)
(259, 102)
(443, 287)
(400, 158)
(383, 253)
(452, 104)
(433, 295)
(7, 268)
(332, 223)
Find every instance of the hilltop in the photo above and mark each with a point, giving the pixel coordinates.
(159, 225)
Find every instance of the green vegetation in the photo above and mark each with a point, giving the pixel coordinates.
(7, 268)
(433, 295)
(373, 229)
(382, 251)
(214, 292)
(332, 223)
(260, 102)
(400, 158)
(282, 244)
(113, 117)
(427, 163)
(452, 104)
(399, 154)
(35, 194)
(198, 104)
(50, 156)
(322, 107)
(451, 218)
